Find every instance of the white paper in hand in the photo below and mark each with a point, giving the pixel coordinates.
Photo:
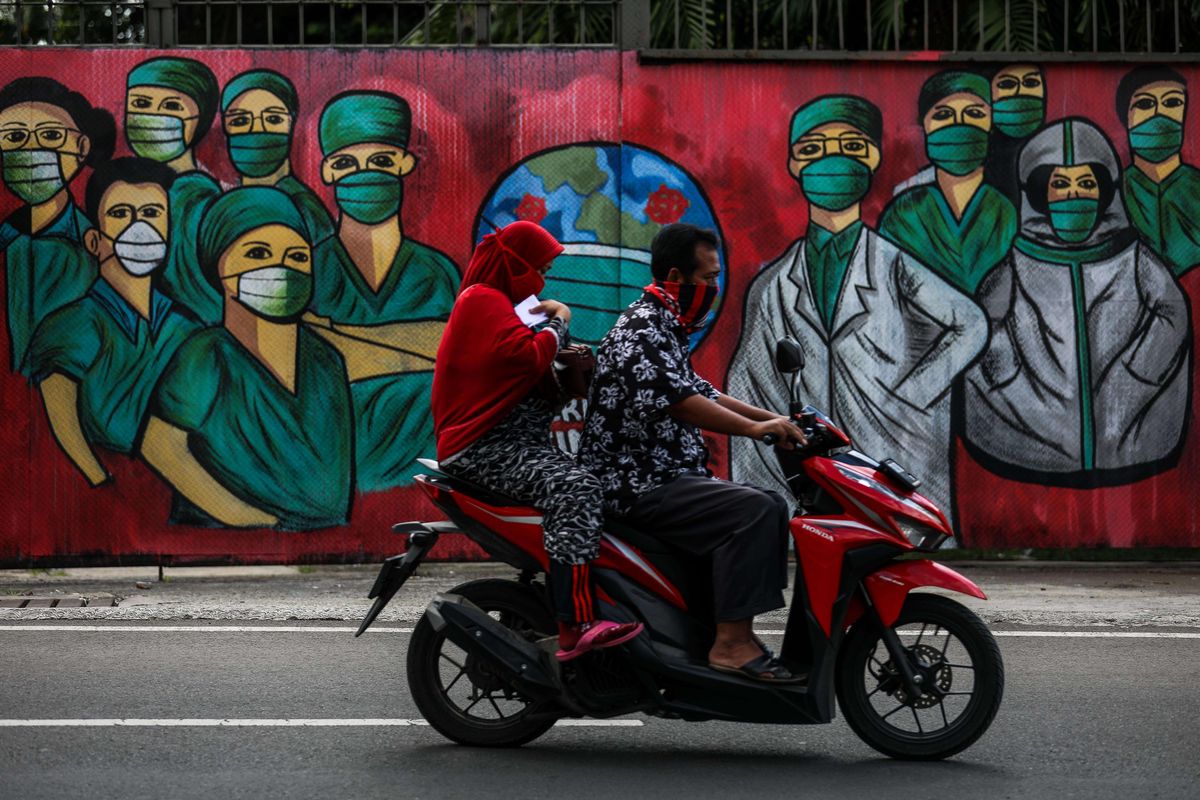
(526, 313)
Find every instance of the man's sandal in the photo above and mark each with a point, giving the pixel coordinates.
(764, 669)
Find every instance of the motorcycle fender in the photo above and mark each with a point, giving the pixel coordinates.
(888, 587)
(398, 569)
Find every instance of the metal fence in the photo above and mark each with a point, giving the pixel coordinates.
(883, 28)
(658, 28)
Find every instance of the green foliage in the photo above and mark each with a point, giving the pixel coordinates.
(979, 25)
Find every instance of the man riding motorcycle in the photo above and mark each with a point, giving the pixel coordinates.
(643, 440)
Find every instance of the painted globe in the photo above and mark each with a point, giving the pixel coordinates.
(605, 203)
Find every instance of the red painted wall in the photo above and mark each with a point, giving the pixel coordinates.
(475, 114)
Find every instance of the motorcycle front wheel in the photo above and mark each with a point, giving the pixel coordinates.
(962, 681)
(460, 695)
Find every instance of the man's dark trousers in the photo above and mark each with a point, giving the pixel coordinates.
(743, 528)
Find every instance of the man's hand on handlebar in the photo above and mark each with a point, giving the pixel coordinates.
(780, 431)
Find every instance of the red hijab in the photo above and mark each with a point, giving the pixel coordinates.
(488, 360)
(510, 258)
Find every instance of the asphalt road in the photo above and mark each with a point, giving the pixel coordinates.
(1090, 717)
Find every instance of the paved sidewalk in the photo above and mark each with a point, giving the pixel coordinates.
(1027, 593)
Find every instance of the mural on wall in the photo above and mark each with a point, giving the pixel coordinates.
(48, 133)
(883, 335)
(605, 202)
(1162, 193)
(223, 334)
(1087, 375)
(381, 297)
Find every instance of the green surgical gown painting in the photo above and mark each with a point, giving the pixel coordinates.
(45, 270)
(386, 324)
(401, 322)
(958, 224)
(285, 453)
(961, 251)
(114, 354)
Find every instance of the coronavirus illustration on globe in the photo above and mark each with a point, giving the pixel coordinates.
(605, 202)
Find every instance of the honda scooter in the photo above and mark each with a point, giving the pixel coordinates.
(917, 676)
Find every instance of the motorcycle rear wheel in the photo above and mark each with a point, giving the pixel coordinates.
(872, 697)
(519, 608)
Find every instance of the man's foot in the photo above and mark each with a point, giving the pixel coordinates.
(575, 640)
(750, 658)
(765, 668)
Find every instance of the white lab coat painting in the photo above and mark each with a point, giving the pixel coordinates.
(884, 372)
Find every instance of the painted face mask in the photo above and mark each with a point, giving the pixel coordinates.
(155, 136)
(1156, 139)
(33, 175)
(688, 302)
(1074, 219)
(257, 155)
(957, 149)
(140, 248)
(369, 197)
(835, 182)
(275, 292)
(1018, 116)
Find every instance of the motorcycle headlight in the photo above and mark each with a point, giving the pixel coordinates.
(920, 535)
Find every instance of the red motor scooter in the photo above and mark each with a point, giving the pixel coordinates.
(917, 676)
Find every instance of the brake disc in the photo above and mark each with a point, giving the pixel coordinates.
(930, 664)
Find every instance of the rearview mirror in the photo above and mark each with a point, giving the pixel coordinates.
(789, 358)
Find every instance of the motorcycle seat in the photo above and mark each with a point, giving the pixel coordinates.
(643, 541)
(640, 539)
(480, 493)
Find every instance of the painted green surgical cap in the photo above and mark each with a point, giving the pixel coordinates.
(184, 75)
(359, 117)
(265, 79)
(944, 84)
(838, 108)
(237, 212)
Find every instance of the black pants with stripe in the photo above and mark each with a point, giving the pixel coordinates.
(518, 458)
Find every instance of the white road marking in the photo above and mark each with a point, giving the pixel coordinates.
(273, 723)
(1068, 634)
(201, 628)
(339, 629)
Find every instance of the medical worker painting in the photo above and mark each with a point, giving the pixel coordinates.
(96, 360)
(959, 225)
(1085, 379)
(380, 297)
(882, 334)
(1018, 104)
(259, 110)
(170, 103)
(1162, 194)
(48, 133)
(251, 423)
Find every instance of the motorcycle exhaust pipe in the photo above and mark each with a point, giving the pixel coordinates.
(472, 629)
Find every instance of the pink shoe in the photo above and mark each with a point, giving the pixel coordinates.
(599, 635)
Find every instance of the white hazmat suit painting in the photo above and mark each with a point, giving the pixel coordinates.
(1085, 379)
